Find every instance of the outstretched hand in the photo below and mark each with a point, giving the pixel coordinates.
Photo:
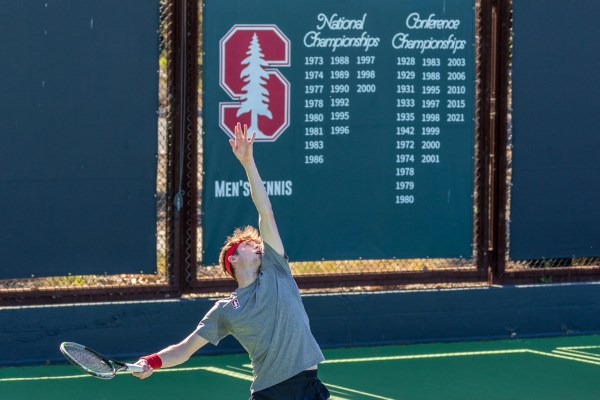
(147, 370)
(242, 145)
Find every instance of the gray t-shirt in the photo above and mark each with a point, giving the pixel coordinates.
(269, 320)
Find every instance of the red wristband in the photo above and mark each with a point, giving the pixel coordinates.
(153, 361)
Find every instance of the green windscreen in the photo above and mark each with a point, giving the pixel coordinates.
(364, 113)
(78, 103)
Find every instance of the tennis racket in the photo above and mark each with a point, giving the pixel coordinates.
(94, 363)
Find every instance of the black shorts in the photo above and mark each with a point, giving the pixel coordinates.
(304, 386)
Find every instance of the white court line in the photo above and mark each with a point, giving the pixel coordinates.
(356, 391)
(161, 371)
(577, 355)
(556, 354)
(43, 378)
(422, 356)
(336, 397)
(562, 356)
(417, 356)
(233, 374)
(577, 347)
(577, 350)
(248, 377)
(586, 353)
(245, 370)
(220, 371)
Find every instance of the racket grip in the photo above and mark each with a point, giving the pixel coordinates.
(134, 368)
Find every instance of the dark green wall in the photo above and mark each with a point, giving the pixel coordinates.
(33, 334)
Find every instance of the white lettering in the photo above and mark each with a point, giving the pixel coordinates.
(414, 21)
(337, 23)
(219, 189)
(279, 188)
(227, 189)
(401, 41)
(341, 23)
(314, 39)
(233, 189)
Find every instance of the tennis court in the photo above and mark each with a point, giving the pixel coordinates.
(556, 368)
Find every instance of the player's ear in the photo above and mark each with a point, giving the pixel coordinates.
(232, 259)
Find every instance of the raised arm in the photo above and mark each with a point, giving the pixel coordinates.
(242, 147)
(175, 354)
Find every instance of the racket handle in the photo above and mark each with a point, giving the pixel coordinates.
(134, 368)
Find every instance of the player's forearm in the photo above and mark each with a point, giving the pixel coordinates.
(173, 355)
(257, 188)
(181, 352)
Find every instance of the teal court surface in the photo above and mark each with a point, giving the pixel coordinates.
(556, 368)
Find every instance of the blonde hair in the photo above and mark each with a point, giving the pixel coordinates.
(239, 235)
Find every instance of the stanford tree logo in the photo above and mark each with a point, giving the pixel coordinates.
(260, 93)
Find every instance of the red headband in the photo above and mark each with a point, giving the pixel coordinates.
(230, 252)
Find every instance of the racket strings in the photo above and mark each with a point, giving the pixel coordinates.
(90, 361)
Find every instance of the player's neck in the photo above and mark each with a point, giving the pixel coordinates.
(246, 277)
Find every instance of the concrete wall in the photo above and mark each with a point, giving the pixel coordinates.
(30, 335)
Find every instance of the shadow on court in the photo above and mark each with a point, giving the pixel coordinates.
(558, 368)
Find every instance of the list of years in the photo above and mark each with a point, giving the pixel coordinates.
(330, 83)
(431, 89)
(431, 95)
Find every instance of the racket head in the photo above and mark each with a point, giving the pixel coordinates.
(88, 360)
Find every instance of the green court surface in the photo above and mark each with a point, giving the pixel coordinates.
(557, 368)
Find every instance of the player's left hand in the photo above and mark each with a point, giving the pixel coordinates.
(242, 144)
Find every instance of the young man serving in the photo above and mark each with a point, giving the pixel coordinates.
(265, 314)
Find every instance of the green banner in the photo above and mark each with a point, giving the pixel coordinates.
(364, 113)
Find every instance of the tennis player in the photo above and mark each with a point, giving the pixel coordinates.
(265, 314)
